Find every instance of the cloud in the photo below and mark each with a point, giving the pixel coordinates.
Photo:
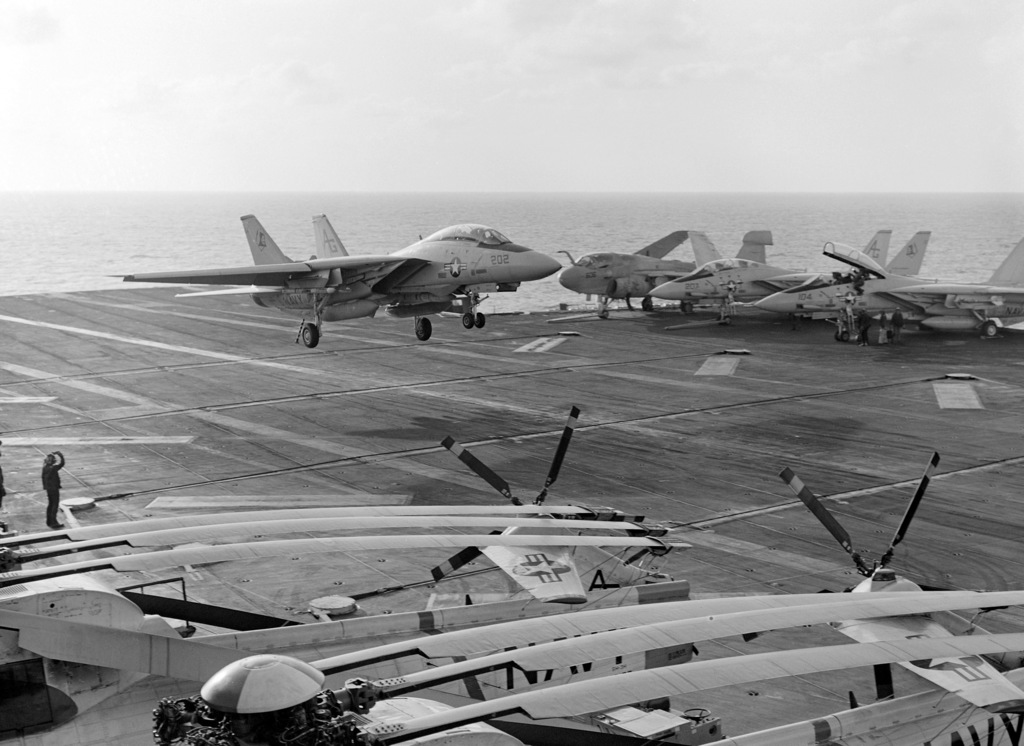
(35, 26)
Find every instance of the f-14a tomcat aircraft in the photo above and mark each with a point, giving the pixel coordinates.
(446, 271)
(937, 304)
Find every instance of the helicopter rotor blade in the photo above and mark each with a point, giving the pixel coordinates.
(563, 446)
(908, 516)
(480, 469)
(827, 519)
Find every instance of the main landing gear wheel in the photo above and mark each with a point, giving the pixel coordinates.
(479, 320)
(647, 304)
(310, 335)
(423, 329)
(843, 336)
(603, 313)
(989, 329)
(686, 306)
(467, 320)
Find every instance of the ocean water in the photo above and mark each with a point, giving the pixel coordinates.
(61, 242)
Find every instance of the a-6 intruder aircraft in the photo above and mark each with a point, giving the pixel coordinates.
(612, 275)
(745, 280)
(936, 304)
(445, 271)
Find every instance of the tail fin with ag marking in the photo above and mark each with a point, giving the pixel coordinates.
(264, 249)
(878, 247)
(327, 242)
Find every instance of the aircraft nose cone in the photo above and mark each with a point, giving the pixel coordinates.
(779, 302)
(669, 291)
(570, 278)
(538, 266)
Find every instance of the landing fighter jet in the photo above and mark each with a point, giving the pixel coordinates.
(445, 271)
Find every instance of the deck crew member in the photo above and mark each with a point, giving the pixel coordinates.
(51, 483)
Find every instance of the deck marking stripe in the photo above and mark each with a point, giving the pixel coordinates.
(103, 441)
(542, 344)
(162, 346)
(718, 366)
(956, 396)
(92, 388)
(26, 399)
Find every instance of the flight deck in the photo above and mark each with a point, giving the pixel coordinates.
(165, 406)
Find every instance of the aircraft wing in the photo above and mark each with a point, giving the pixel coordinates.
(601, 695)
(219, 532)
(642, 638)
(662, 246)
(249, 550)
(259, 274)
(971, 677)
(129, 650)
(998, 294)
(696, 619)
(107, 530)
(368, 268)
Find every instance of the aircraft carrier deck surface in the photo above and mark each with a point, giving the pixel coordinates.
(164, 405)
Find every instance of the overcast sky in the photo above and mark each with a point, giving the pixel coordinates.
(512, 95)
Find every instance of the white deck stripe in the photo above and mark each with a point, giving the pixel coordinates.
(163, 346)
(956, 396)
(718, 366)
(102, 441)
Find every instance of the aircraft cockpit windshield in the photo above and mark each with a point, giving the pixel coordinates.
(720, 265)
(594, 261)
(479, 234)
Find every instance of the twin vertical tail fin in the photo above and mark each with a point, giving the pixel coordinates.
(753, 246)
(264, 249)
(878, 247)
(704, 250)
(908, 261)
(327, 242)
(1011, 271)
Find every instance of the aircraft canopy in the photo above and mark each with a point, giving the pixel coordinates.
(480, 234)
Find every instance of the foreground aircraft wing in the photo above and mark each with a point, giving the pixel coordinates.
(697, 619)
(601, 695)
(219, 533)
(129, 650)
(250, 550)
(124, 528)
(662, 246)
(971, 678)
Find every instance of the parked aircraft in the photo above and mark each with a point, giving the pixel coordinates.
(447, 271)
(935, 304)
(971, 678)
(71, 668)
(744, 280)
(579, 673)
(611, 275)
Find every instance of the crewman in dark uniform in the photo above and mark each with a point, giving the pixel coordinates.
(51, 483)
(3, 492)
